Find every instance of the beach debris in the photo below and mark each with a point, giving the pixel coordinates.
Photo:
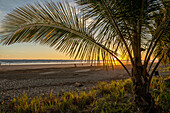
(83, 70)
(78, 84)
(76, 74)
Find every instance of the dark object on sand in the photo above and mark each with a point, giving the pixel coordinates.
(75, 65)
(156, 73)
(78, 84)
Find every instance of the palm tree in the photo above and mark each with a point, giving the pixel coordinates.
(124, 25)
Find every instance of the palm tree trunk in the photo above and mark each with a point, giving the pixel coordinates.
(143, 99)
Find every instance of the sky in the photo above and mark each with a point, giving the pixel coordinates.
(26, 50)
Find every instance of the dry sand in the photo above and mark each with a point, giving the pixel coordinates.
(36, 80)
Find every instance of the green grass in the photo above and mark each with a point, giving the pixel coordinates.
(116, 96)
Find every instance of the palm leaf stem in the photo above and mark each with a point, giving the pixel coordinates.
(154, 59)
(78, 34)
(118, 30)
(151, 75)
(127, 30)
(157, 36)
(152, 49)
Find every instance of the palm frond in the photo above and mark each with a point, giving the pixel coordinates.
(160, 33)
(58, 25)
(107, 20)
(118, 18)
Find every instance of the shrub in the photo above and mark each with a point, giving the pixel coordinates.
(115, 96)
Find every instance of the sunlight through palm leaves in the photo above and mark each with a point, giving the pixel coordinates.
(130, 27)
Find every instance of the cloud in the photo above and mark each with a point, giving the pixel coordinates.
(2, 14)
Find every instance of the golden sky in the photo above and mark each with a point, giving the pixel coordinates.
(30, 51)
(26, 50)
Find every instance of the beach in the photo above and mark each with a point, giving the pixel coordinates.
(35, 80)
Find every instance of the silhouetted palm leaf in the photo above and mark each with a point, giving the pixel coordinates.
(57, 25)
(126, 26)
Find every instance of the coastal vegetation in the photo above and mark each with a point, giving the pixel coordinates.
(113, 97)
(105, 30)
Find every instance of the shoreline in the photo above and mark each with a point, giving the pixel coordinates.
(37, 80)
(41, 79)
(4, 68)
(40, 66)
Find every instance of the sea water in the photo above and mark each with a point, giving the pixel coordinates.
(31, 62)
(44, 61)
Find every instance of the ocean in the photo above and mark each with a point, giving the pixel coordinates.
(28, 62)
(43, 61)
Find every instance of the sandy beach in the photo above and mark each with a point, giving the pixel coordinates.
(35, 80)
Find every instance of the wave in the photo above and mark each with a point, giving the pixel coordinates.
(27, 62)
